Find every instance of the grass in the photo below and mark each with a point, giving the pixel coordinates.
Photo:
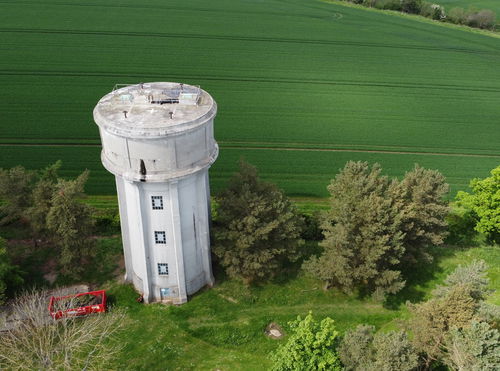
(222, 328)
(333, 78)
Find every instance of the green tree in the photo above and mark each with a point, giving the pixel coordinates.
(42, 194)
(423, 212)
(454, 305)
(361, 350)
(363, 243)
(16, 185)
(473, 348)
(356, 348)
(473, 275)
(411, 6)
(70, 221)
(10, 275)
(394, 352)
(257, 227)
(484, 201)
(311, 346)
(432, 320)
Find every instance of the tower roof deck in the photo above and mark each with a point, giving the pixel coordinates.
(154, 109)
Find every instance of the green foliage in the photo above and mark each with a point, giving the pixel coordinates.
(424, 209)
(433, 319)
(356, 349)
(311, 346)
(461, 223)
(484, 202)
(452, 308)
(70, 221)
(374, 224)
(457, 15)
(411, 6)
(15, 190)
(482, 19)
(361, 350)
(42, 194)
(363, 243)
(257, 227)
(312, 229)
(10, 275)
(394, 352)
(473, 275)
(473, 348)
(433, 11)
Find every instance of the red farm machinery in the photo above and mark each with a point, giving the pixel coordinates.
(77, 304)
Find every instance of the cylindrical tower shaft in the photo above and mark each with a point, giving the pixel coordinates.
(158, 142)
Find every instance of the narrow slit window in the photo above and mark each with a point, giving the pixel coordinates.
(160, 237)
(163, 269)
(157, 202)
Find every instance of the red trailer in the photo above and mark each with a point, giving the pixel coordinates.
(77, 304)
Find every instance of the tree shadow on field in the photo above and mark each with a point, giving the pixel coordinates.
(419, 278)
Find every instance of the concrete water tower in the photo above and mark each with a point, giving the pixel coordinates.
(157, 139)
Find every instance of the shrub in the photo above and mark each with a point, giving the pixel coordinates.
(484, 202)
(360, 350)
(355, 350)
(457, 15)
(311, 346)
(483, 19)
(411, 6)
(461, 224)
(433, 11)
(476, 347)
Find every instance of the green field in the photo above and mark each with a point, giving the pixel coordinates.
(302, 86)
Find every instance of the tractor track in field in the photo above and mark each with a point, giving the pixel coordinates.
(248, 39)
(376, 84)
(270, 148)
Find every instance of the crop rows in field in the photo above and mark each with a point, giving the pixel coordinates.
(302, 86)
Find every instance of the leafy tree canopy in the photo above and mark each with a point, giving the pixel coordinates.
(484, 201)
(311, 346)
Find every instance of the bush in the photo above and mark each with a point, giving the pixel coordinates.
(311, 346)
(457, 15)
(483, 19)
(484, 203)
(461, 224)
(476, 347)
(433, 11)
(388, 4)
(360, 350)
(411, 6)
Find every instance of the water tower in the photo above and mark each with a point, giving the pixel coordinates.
(157, 139)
